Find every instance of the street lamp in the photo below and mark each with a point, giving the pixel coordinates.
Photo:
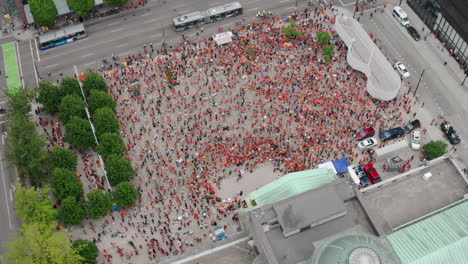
(417, 85)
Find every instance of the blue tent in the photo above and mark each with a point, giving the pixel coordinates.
(341, 165)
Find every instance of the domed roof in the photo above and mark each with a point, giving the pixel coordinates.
(357, 248)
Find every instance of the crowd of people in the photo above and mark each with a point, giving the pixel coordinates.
(228, 113)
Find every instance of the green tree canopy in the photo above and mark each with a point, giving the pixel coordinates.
(35, 244)
(71, 105)
(43, 11)
(94, 81)
(323, 38)
(79, 134)
(34, 206)
(81, 7)
(125, 195)
(110, 143)
(71, 211)
(328, 51)
(70, 85)
(116, 2)
(26, 147)
(61, 157)
(291, 30)
(105, 121)
(118, 169)
(99, 99)
(87, 250)
(49, 96)
(435, 149)
(99, 203)
(65, 183)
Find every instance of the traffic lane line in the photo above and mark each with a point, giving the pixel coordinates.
(6, 197)
(151, 20)
(115, 30)
(215, 3)
(80, 48)
(50, 66)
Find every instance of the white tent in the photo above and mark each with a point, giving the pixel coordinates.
(223, 38)
(353, 175)
(329, 165)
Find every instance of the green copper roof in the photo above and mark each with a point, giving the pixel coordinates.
(290, 185)
(442, 238)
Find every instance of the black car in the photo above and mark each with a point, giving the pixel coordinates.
(412, 125)
(391, 133)
(453, 137)
(413, 32)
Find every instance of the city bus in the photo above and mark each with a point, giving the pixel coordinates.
(207, 16)
(62, 36)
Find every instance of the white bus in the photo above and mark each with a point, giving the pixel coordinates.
(62, 36)
(207, 16)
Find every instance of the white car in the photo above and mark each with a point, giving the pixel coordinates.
(367, 143)
(401, 70)
(415, 140)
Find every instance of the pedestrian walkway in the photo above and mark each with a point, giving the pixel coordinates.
(11, 67)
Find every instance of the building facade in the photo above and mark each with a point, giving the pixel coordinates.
(448, 21)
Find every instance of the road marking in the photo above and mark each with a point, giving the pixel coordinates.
(215, 3)
(291, 8)
(352, 3)
(2, 102)
(37, 50)
(253, 9)
(2, 122)
(156, 35)
(147, 14)
(227, 25)
(151, 20)
(184, 11)
(251, 2)
(284, 1)
(115, 30)
(119, 46)
(20, 66)
(371, 9)
(34, 63)
(93, 62)
(178, 6)
(6, 197)
(103, 42)
(89, 54)
(50, 66)
(115, 23)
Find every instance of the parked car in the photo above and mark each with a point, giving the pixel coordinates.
(412, 125)
(450, 132)
(365, 133)
(401, 68)
(363, 179)
(415, 140)
(372, 173)
(413, 33)
(391, 133)
(367, 143)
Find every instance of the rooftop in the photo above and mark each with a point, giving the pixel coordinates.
(411, 197)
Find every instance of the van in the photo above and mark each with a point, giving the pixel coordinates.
(401, 16)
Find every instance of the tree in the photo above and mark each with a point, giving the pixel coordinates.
(105, 121)
(26, 147)
(49, 96)
(116, 2)
(94, 81)
(99, 203)
(435, 149)
(328, 51)
(71, 105)
(99, 99)
(71, 211)
(34, 206)
(65, 184)
(43, 11)
(79, 134)
(291, 30)
(81, 7)
(87, 250)
(323, 38)
(61, 157)
(110, 143)
(70, 85)
(35, 244)
(118, 169)
(126, 194)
